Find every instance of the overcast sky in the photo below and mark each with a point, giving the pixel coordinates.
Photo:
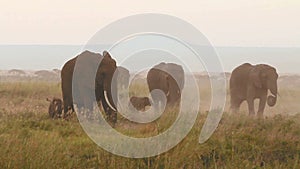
(224, 22)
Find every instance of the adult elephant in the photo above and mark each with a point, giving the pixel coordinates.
(123, 78)
(92, 77)
(249, 82)
(169, 78)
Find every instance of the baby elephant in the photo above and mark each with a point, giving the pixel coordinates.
(55, 107)
(140, 103)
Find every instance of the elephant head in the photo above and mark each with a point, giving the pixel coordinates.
(265, 77)
(106, 85)
(169, 78)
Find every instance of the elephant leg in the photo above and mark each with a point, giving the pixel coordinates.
(156, 100)
(262, 105)
(110, 114)
(68, 104)
(83, 100)
(72, 108)
(89, 103)
(250, 102)
(77, 99)
(235, 105)
(156, 104)
(67, 109)
(171, 102)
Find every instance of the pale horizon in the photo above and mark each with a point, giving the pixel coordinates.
(48, 57)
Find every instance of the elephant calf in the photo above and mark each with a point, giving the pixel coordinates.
(55, 107)
(140, 103)
(249, 82)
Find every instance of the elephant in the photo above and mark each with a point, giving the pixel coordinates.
(81, 81)
(249, 82)
(55, 107)
(123, 78)
(140, 103)
(169, 78)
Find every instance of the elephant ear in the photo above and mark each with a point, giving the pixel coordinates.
(106, 54)
(256, 77)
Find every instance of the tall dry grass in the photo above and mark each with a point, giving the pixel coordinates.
(30, 139)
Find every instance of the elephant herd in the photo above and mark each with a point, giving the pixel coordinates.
(92, 75)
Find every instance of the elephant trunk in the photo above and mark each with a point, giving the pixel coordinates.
(273, 90)
(273, 97)
(107, 92)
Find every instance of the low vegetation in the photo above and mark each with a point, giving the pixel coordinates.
(30, 139)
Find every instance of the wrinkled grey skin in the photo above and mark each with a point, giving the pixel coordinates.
(84, 69)
(249, 82)
(170, 83)
(140, 103)
(123, 78)
(55, 107)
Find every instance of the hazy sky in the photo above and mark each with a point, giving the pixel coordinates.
(246, 23)
(224, 22)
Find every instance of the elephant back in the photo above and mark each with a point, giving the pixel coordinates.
(172, 70)
(239, 76)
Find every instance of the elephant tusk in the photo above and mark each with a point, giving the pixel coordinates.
(168, 93)
(278, 94)
(273, 95)
(107, 101)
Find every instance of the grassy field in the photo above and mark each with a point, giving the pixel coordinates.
(30, 139)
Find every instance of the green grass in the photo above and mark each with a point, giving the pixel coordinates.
(30, 139)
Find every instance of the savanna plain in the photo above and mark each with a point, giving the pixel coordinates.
(29, 138)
